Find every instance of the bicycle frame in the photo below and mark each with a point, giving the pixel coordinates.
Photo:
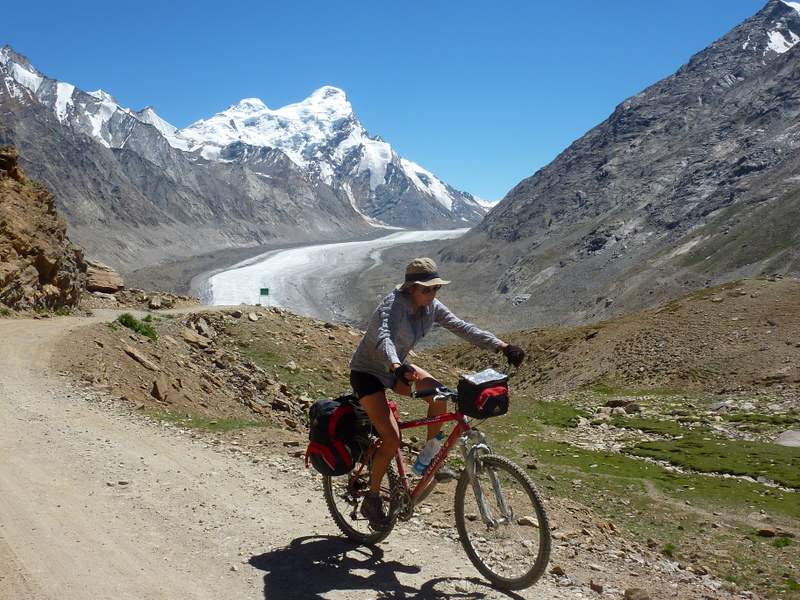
(512, 519)
(461, 433)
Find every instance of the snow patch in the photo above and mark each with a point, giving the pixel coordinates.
(27, 78)
(427, 183)
(794, 5)
(778, 42)
(64, 101)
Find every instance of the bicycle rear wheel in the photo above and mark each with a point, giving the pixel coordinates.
(344, 494)
(513, 548)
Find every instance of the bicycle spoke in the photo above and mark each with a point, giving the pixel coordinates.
(508, 537)
(343, 495)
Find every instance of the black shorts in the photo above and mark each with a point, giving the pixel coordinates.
(365, 384)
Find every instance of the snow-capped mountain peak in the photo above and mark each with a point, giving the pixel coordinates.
(297, 129)
(149, 116)
(104, 97)
(320, 134)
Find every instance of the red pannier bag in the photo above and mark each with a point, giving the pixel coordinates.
(331, 434)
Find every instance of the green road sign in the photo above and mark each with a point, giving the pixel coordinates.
(265, 291)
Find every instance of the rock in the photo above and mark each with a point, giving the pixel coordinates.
(192, 337)
(160, 389)
(636, 594)
(140, 358)
(8, 164)
(770, 532)
(203, 328)
(616, 403)
(102, 278)
(789, 438)
(105, 296)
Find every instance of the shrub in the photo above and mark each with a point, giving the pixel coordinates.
(132, 323)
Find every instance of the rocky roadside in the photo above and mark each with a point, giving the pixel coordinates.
(191, 369)
(591, 557)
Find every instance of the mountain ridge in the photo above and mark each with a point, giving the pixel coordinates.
(691, 182)
(134, 200)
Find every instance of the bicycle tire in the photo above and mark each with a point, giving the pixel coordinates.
(514, 553)
(343, 495)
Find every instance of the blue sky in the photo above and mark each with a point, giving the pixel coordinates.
(481, 94)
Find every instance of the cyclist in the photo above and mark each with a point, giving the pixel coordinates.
(379, 363)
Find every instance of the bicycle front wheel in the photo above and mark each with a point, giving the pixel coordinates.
(344, 494)
(502, 523)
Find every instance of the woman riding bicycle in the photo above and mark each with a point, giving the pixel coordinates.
(399, 322)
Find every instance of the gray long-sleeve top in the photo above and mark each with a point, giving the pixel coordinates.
(393, 331)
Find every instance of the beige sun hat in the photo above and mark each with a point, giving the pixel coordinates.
(422, 271)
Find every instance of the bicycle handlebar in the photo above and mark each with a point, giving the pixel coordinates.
(439, 391)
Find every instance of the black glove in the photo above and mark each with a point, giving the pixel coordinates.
(514, 354)
(403, 370)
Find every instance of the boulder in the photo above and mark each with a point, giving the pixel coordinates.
(789, 438)
(102, 278)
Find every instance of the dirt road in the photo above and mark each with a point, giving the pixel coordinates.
(96, 504)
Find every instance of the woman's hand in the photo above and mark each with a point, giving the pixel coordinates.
(514, 354)
(405, 373)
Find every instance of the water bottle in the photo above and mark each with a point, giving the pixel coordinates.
(426, 454)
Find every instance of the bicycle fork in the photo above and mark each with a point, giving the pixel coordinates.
(479, 446)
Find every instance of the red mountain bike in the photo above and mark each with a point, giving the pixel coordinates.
(499, 513)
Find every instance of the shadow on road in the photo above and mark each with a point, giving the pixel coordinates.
(312, 566)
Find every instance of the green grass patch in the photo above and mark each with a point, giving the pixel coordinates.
(701, 451)
(141, 327)
(781, 542)
(790, 418)
(669, 550)
(605, 390)
(557, 414)
(623, 487)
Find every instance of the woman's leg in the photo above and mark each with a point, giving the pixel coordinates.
(383, 420)
(435, 407)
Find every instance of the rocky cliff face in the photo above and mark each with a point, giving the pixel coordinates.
(39, 267)
(695, 180)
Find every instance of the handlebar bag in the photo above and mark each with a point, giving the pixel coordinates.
(331, 434)
(483, 395)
